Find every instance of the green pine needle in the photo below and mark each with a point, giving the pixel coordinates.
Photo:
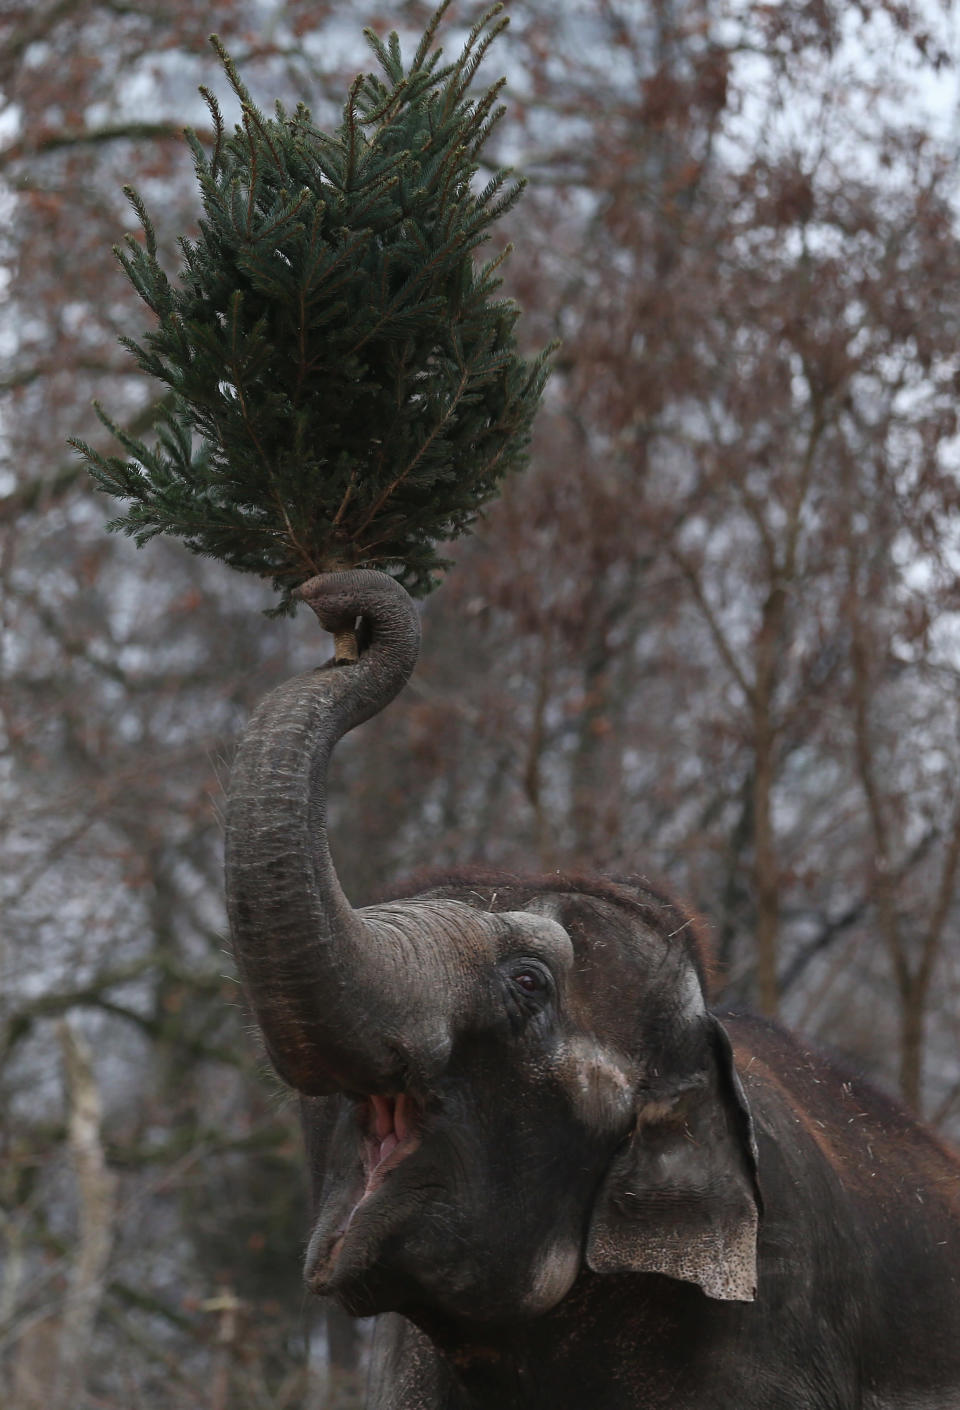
(344, 384)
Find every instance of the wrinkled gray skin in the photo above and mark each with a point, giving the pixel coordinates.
(536, 1149)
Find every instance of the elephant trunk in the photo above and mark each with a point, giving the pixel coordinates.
(308, 961)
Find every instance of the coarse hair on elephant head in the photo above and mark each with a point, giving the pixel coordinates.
(507, 1083)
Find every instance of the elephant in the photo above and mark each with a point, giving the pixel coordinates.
(554, 1172)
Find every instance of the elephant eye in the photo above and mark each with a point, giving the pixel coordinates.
(531, 981)
(528, 986)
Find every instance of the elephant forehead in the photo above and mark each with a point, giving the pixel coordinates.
(453, 938)
(536, 935)
(416, 923)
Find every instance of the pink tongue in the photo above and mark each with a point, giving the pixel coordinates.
(388, 1144)
(383, 1116)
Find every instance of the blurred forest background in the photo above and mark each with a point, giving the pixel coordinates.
(711, 636)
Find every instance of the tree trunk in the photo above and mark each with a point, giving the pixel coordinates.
(95, 1190)
(913, 1015)
(766, 870)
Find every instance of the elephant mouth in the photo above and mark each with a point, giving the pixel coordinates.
(391, 1127)
(390, 1130)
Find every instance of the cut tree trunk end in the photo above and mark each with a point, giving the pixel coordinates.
(345, 648)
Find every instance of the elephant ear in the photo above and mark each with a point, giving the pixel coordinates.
(682, 1196)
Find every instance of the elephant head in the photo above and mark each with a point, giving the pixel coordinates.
(506, 1084)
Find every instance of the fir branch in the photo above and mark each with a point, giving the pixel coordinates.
(216, 117)
(484, 32)
(421, 57)
(350, 127)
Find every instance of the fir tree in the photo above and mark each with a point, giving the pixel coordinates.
(343, 381)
